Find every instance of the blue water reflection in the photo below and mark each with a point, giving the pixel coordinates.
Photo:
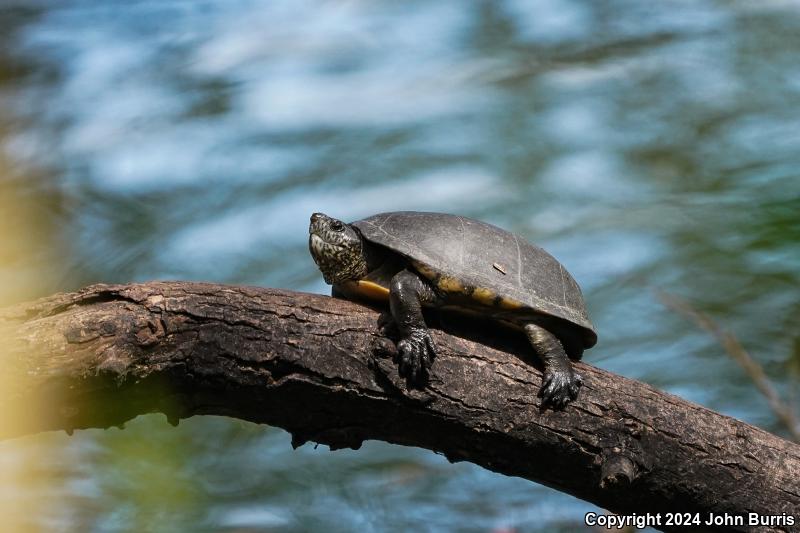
(649, 146)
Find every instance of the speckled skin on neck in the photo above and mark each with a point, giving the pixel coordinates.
(337, 249)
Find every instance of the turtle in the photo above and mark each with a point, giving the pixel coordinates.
(420, 259)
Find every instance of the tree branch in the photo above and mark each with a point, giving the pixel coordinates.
(319, 368)
(737, 352)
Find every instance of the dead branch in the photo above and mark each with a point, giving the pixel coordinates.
(738, 353)
(318, 367)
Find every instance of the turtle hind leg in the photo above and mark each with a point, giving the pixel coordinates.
(407, 293)
(560, 383)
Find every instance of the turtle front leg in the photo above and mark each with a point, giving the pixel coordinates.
(560, 383)
(407, 294)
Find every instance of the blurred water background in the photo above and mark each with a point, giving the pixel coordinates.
(647, 145)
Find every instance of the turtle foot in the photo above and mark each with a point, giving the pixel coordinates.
(559, 387)
(416, 354)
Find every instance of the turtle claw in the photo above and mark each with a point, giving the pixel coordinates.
(559, 387)
(416, 354)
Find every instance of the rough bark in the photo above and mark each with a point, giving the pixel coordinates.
(319, 368)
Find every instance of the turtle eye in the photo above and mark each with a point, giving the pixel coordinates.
(337, 225)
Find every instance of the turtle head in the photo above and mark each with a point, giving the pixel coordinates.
(337, 249)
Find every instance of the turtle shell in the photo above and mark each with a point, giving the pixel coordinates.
(485, 261)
